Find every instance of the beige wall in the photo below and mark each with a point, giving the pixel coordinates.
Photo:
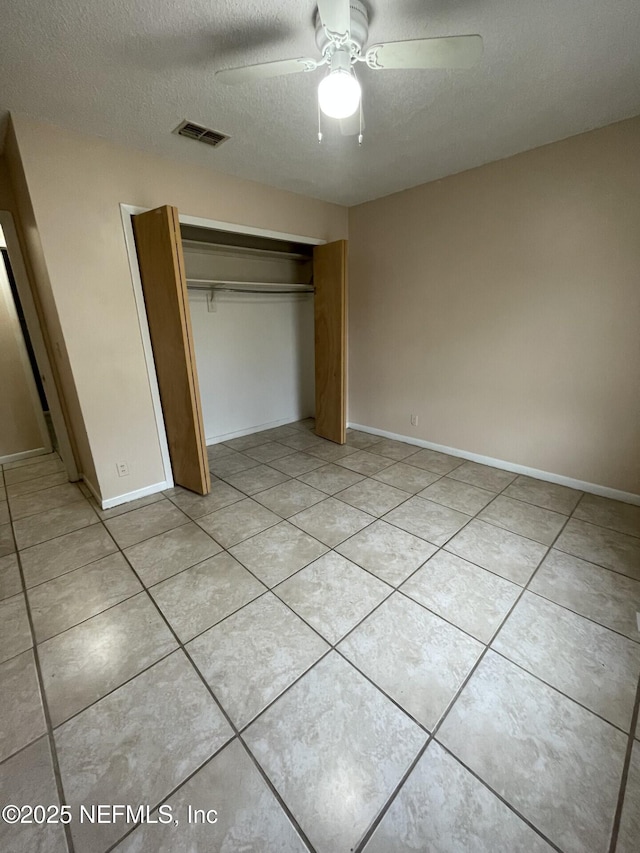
(20, 423)
(502, 305)
(75, 185)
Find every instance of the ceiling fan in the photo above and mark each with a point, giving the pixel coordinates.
(342, 28)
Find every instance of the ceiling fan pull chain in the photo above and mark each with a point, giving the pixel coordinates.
(319, 124)
(360, 135)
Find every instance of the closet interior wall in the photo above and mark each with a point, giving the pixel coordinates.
(254, 351)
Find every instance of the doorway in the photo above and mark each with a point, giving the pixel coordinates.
(31, 421)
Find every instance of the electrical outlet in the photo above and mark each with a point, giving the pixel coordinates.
(123, 469)
(414, 420)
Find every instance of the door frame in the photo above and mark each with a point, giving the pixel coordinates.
(126, 212)
(32, 320)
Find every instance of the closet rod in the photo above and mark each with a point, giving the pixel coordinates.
(247, 286)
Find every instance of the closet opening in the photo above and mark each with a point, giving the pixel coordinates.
(252, 312)
(243, 330)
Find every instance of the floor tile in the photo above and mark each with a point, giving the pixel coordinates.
(217, 451)
(53, 522)
(433, 460)
(442, 808)
(231, 464)
(361, 440)
(498, 550)
(199, 597)
(7, 545)
(396, 450)
(244, 442)
(137, 744)
(330, 452)
(390, 553)
(15, 633)
(416, 658)
(332, 595)
(269, 451)
(249, 818)
(10, 582)
(617, 551)
(630, 819)
(140, 524)
(31, 460)
(169, 553)
(547, 495)
(75, 596)
(129, 506)
(585, 661)
(288, 498)
(21, 713)
(43, 562)
(373, 497)
(458, 495)
(623, 517)
(606, 597)
(534, 522)
(331, 521)
(331, 478)
(5, 518)
(31, 472)
(257, 479)
(251, 657)
(555, 762)
(406, 477)
(364, 462)
(472, 598)
(483, 476)
(280, 432)
(28, 778)
(84, 663)
(427, 519)
(278, 552)
(304, 440)
(332, 734)
(232, 524)
(297, 463)
(38, 483)
(305, 423)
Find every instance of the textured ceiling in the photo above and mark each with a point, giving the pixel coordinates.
(131, 71)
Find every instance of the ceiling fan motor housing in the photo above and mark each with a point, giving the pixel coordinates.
(358, 35)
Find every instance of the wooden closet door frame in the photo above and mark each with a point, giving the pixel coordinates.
(126, 212)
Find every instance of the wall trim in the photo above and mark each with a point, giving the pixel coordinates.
(548, 476)
(128, 496)
(24, 454)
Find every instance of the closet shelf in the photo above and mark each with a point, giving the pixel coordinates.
(247, 286)
(245, 251)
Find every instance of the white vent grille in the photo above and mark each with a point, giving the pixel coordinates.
(201, 134)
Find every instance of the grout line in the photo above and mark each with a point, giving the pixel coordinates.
(45, 704)
(615, 830)
(382, 812)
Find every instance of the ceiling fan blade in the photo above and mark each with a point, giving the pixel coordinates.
(448, 52)
(264, 70)
(351, 126)
(335, 15)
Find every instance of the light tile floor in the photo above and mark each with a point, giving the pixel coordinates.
(370, 648)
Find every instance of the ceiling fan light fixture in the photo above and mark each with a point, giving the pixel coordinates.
(339, 94)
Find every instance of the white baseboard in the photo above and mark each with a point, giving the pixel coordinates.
(25, 454)
(548, 476)
(128, 496)
(218, 439)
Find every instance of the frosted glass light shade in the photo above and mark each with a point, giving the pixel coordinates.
(339, 94)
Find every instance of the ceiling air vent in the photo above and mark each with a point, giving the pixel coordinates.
(201, 134)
